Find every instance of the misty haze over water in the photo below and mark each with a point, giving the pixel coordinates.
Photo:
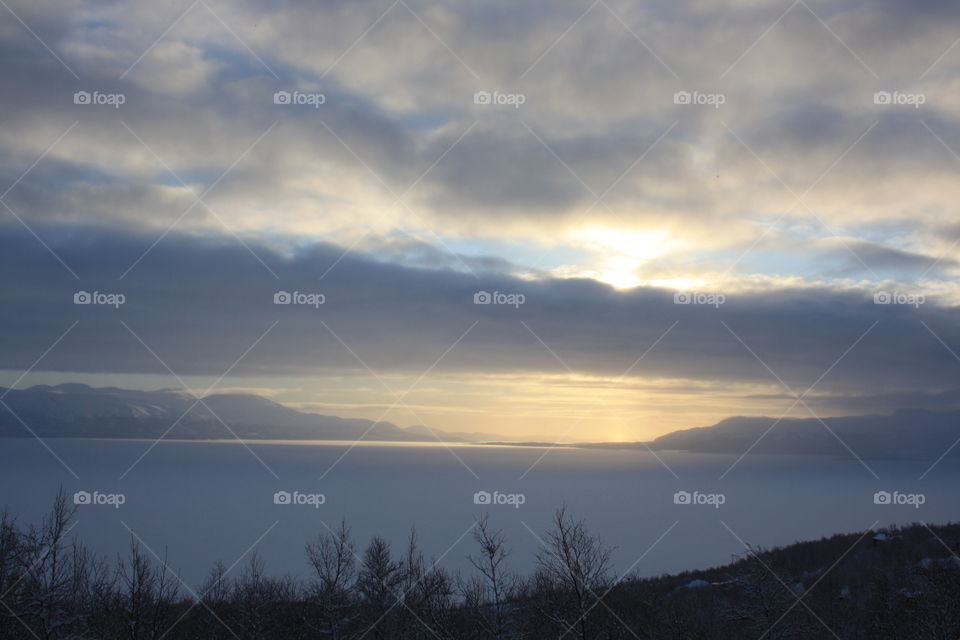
(211, 500)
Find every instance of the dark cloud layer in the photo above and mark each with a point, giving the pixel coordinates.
(200, 302)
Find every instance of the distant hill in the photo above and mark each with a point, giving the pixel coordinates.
(896, 583)
(80, 411)
(908, 433)
(916, 434)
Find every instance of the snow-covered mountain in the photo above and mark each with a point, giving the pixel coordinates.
(77, 410)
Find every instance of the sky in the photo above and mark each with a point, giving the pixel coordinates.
(569, 221)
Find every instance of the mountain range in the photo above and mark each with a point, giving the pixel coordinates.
(80, 411)
(907, 433)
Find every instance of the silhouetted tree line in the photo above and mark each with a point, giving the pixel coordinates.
(896, 584)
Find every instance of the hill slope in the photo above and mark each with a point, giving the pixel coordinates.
(908, 433)
(80, 411)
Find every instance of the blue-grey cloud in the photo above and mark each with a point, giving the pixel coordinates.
(200, 302)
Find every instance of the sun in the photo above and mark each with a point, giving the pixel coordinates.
(622, 252)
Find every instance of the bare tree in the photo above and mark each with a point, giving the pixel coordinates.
(574, 572)
(46, 575)
(147, 595)
(13, 569)
(333, 558)
(260, 601)
(488, 595)
(215, 591)
(216, 595)
(378, 586)
(764, 600)
(425, 593)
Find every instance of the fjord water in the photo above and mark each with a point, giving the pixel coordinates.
(203, 501)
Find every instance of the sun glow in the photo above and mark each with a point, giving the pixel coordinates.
(681, 284)
(623, 252)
